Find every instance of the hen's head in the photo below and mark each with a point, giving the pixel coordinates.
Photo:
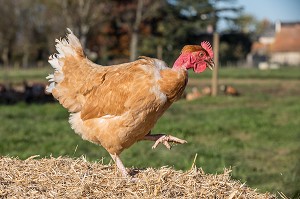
(197, 57)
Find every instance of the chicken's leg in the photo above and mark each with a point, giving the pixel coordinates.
(164, 139)
(120, 165)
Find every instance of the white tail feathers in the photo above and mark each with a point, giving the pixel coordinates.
(68, 46)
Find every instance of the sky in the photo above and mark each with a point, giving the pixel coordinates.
(274, 10)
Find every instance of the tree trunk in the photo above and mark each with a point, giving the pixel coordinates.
(135, 32)
(25, 59)
(4, 56)
(159, 52)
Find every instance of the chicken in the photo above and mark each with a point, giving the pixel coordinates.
(229, 90)
(206, 90)
(116, 106)
(195, 94)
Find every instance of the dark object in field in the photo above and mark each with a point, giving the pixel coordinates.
(35, 93)
(29, 93)
(9, 95)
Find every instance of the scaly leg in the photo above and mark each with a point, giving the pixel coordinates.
(120, 165)
(164, 139)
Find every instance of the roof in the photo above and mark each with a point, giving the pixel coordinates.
(287, 39)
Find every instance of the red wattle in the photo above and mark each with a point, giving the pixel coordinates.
(199, 68)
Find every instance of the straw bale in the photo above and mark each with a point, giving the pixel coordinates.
(64, 177)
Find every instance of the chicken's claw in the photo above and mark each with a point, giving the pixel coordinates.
(165, 139)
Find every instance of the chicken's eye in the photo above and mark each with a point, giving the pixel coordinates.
(201, 54)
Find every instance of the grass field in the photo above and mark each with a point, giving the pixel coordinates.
(256, 134)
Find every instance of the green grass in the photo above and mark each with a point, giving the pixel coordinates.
(256, 134)
(18, 75)
(39, 74)
(253, 73)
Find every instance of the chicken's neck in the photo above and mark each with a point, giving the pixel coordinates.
(183, 62)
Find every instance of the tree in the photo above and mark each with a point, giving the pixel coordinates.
(8, 29)
(83, 15)
(181, 23)
(109, 27)
(135, 30)
(31, 31)
(243, 23)
(130, 16)
(224, 10)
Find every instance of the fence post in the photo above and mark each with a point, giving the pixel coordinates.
(214, 87)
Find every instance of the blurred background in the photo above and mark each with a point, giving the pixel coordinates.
(251, 124)
(251, 34)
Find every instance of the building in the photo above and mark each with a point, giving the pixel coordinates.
(278, 46)
(285, 50)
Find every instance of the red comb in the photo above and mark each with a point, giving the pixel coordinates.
(206, 45)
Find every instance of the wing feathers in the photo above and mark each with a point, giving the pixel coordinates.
(123, 89)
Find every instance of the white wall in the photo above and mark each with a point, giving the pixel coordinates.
(286, 58)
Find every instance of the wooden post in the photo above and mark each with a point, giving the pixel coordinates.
(214, 86)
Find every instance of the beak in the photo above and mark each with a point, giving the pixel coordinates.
(210, 64)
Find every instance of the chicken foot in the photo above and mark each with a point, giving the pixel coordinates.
(120, 165)
(164, 139)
